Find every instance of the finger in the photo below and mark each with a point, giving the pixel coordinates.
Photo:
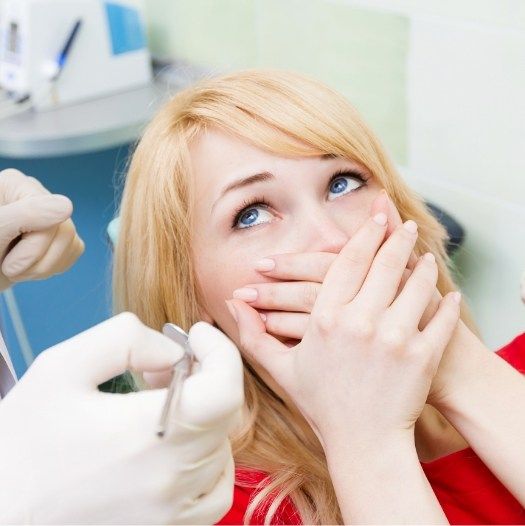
(259, 346)
(408, 307)
(348, 271)
(306, 266)
(214, 503)
(381, 283)
(110, 348)
(27, 252)
(432, 306)
(218, 502)
(15, 185)
(64, 250)
(208, 468)
(295, 296)
(215, 391)
(31, 214)
(393, 221)
(286, 324)
(440, 328)
(159, 379)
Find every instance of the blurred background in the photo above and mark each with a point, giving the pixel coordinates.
(441, 82)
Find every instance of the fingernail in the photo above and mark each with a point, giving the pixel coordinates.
(457, 297)
(410, 226)
(263, 316)
(245, 294)
(265, 264)
(232, 310)
(380, 219)
(430, 257)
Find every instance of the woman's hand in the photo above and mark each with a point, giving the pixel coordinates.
(285, 305)
(362, 351)
(362, 371)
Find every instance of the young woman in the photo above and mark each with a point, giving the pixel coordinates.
(268, 188)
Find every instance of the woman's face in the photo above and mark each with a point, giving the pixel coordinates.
(250, 204)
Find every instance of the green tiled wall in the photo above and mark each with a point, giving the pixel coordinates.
(360, 52)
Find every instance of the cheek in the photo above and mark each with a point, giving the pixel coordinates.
(351, 218)
(219, 271)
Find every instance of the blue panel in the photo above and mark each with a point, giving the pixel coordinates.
(125, 28)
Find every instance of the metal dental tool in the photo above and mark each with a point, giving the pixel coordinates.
(181, 370)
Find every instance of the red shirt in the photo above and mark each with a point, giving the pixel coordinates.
(467, 491)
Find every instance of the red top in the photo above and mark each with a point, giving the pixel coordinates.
(467, 491)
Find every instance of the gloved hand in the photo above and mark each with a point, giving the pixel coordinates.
(72, 454)
(37, 238)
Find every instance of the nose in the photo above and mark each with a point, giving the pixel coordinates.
(322, 233)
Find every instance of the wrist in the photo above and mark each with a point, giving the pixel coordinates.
(359, 453)
(386, 471)
(463, 364)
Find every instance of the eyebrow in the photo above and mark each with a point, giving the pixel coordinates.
(256, 178)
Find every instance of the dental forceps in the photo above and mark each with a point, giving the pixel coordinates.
(181, 370)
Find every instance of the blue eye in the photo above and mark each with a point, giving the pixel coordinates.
(342, 185)
(253, 216)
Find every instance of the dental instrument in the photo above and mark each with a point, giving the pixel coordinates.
(181, 370)
(60, 52)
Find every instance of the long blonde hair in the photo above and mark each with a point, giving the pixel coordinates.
(290, 115)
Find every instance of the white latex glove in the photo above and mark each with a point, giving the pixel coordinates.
(72, 454)
(37, 238)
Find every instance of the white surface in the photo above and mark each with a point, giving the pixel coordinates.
(85, 127)
(492, 259)
(467, 111)
(91, 69)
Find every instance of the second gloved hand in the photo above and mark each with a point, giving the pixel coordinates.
(72, 454)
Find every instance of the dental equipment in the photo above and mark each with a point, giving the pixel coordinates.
(181, 370)
(60, 52)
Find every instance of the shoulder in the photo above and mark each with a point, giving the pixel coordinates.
(514, 352)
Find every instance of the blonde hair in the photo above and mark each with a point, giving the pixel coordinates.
(290, 115)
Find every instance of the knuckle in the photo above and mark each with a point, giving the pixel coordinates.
(354, 258)
(272, 322)
(267, 294)
(426, 347)
(310, 295)
(325, 322)
(394, 339)
(130, 324)
(362, 328)
(390, 260)
(426, 279)
(322, 265)
(11, 173)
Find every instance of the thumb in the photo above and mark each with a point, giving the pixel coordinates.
(258, 345)
(215, 390)
(33, 213)
(112, 347)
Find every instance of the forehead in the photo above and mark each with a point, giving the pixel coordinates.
(215, 149)
(217, 157)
